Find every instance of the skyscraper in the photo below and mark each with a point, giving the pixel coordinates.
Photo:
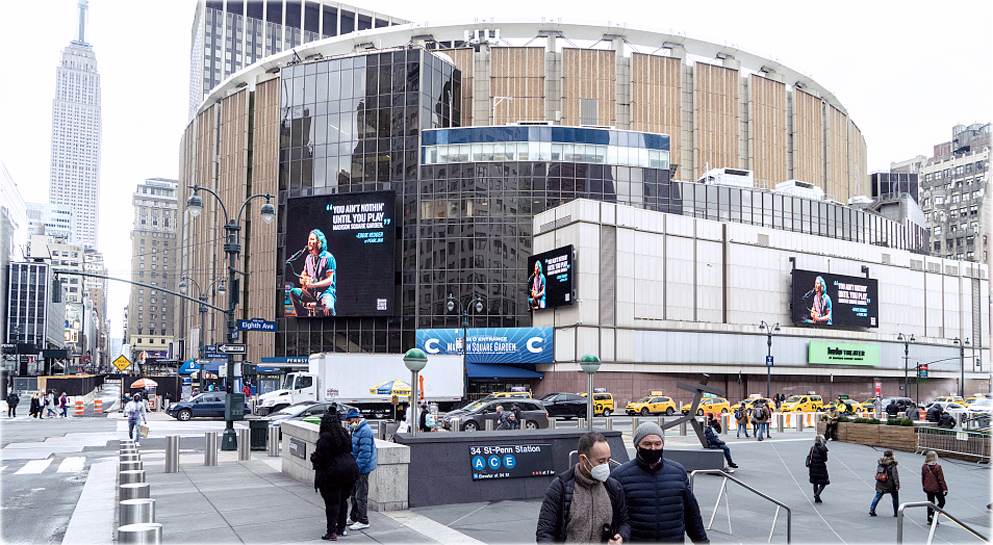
(75, 163)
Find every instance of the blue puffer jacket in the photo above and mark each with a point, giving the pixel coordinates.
(661, 505)
(364, 447)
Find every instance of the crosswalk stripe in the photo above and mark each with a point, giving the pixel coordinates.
(34, 466)
(72, 464)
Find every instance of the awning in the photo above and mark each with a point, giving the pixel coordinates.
(491, 370)
(191, 365)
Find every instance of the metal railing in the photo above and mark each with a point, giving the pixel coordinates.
(955, 441)
(930, 536)
(727, 503)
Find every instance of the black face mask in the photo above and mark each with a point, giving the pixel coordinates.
(650, 456)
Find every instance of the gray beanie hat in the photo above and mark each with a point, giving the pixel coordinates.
(648, 428)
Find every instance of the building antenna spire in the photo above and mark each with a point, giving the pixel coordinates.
(83, 6)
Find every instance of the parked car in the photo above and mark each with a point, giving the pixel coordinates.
(655, 404)
(709, 405)
(207, 404)
(903, 404)
(849, 406)
(950, 407)
(982, 405)
(750, 403)
(564, 405)
(949, 399)
(802, 403)
(525, 395)
(473, 416)
(303, 410)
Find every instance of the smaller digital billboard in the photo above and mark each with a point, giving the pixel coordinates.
(550, 278)
(345, 262)
(834, 301)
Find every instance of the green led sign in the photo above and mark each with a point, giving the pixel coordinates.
(834, 353)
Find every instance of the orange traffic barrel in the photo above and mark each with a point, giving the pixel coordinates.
(79, 408)
(98, 405)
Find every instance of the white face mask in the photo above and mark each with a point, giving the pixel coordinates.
(600, 472)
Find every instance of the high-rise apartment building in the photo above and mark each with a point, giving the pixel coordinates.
(954, 196)
(149, 318)
(75, 162)
(230, 35)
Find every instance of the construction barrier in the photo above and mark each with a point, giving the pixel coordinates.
(79, 408)
(98, 406)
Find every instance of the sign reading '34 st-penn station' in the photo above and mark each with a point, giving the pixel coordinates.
(835, 353)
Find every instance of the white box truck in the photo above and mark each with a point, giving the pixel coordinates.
(366, 381)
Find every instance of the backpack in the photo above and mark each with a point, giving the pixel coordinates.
(758, 413)
(882, 473)
(739, 414)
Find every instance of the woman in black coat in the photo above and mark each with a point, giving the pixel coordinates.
(817, 462)
(335, 472)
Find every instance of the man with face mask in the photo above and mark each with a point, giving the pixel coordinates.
(660, 502)
(583, 504)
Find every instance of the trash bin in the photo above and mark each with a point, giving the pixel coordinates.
(259, 430)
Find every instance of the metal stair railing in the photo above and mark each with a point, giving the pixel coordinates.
(930, 535)
(727, 503)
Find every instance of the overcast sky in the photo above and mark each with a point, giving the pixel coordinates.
(906, 71)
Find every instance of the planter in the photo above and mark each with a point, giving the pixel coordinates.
(876, 435)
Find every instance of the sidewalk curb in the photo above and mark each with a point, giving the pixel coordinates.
(92, 522)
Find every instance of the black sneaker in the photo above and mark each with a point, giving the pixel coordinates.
(733, 466)
(872, 513)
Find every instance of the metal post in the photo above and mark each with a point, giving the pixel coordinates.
(136, 511)
(172, 454)
(768, 368)
(210, 449)
(962, 363)
(581, 423)
(129, 466)
(273, 442)
(779, 420)
(244, 445)
(609, 423)
(682, 429)
(229, 441)
(149, 532)
(412, 407)
(135, 476)
(488, 426)
(635, 421)
(132, 491)
(551, 423)
(589, 401)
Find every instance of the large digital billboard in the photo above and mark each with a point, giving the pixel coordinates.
(340, 255)
(831, 300)
(550, 277)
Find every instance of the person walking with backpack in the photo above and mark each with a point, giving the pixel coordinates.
(933, 481)
(817, 465)
(741, 416)
(50, 404)
(887, 482)
(12, 400)
(760, 416)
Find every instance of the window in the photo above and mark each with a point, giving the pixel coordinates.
(937, 230)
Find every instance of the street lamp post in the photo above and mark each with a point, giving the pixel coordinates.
(202, 297)
(961, 344)
(233, 248)
(769, 329)
(590, 364)
(906, 357)
(415, 359)
(464, 311)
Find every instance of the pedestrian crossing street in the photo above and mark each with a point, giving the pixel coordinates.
(72, 464)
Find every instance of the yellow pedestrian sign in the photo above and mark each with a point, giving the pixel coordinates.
(122, 363)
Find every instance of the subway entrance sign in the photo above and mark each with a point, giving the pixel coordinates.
(508, 461)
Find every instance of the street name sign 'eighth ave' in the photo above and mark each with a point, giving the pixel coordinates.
(228, 348)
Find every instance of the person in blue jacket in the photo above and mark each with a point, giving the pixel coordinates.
(661, 505)
(364, 451)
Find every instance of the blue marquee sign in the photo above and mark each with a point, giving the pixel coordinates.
(501, 345)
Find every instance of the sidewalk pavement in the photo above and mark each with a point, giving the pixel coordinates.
(253, 502)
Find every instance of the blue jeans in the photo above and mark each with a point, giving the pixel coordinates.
(896, 501)
(727, 453)
(132, 424)
(742, 427)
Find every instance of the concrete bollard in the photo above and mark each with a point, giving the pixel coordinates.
(133, 476)
(244, 445)
(134, 491)
(210, 450)
(682, 428)
(725, 422)
(488, 425)
(551, 423)
(609, 423)
(635, 422)
(779, 421)
(581, 424)
(799, 422)
(136, 511)
(130, 466)
(661, 421)
(273, 443)
(149, 532)
(172, 454)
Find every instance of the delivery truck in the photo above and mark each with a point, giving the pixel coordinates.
(367, 381)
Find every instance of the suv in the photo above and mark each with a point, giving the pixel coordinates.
(473, 416)
(802, 403)
(647, 405)
(903, 404)
(565, 405)
(603, 403)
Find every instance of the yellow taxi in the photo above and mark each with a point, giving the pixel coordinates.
(969, 400)
(709, 405)
(802, 404)
(849, 406)
(655, 403)
(750, 403)
(520, 395)
(950, 399)
(603, 403)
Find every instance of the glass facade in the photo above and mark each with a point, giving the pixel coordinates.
(890, 185)
(352, 124)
